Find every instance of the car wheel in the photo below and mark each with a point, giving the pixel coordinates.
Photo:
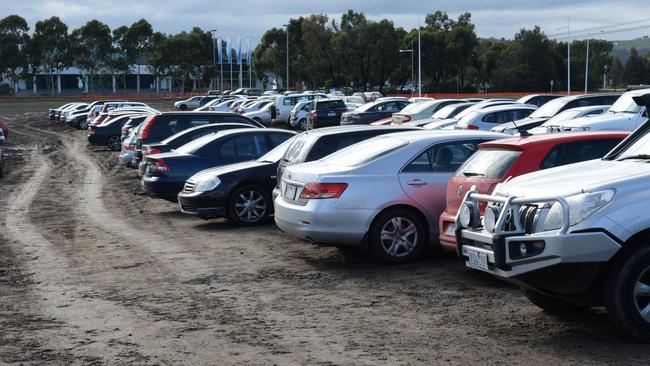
(552, 305)
(249, 205)
(83, 125)
(114, 143)
(627, 293)
(397, 236)
(303, 124)
(182, 107)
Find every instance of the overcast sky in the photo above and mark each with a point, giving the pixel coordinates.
(250, 18)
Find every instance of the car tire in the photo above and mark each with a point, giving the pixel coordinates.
(182, 107)
(302, 124)
(83, 125)
(249, 205)
(114, 143)
(404, 236)
(552, 305)
(627, 292)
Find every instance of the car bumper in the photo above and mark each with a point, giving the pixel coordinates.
(503, 259)
(160, 187)
(321, 222)
(447, 230)
(126, 157)
(203, 204)
(97, 140)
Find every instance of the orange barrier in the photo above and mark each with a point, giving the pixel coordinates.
(99, 96)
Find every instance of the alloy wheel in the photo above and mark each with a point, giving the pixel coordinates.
(303, 124)
(399, 236)
(83, 125)
(250, 206)
(114, 143)
(642, 294)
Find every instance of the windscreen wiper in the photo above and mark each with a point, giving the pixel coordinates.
(639, 156)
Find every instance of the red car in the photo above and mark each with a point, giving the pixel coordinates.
(498, 160)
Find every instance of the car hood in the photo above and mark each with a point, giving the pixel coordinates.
(575, 178)
(525, 122)
(221, 170)
(605, 118)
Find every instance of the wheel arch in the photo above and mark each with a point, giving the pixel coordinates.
(414, 209)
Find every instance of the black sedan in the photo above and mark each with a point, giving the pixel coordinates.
(240, 192)
(371, 112)
(110, 133)
(166, 173)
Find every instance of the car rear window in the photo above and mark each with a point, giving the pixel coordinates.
(296, 152)
(366, 151)
(330, 104)
(490, 163)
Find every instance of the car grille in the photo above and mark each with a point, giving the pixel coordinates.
(189, 187)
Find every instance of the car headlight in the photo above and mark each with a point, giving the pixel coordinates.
(469, 215)
(581, 206)
(208, 184)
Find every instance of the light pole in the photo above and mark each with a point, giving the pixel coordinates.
(214, 56)
(412, 68)
(287, 81)
(419, 62)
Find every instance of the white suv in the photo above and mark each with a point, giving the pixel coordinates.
(573, 237)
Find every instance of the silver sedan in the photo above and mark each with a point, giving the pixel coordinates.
(385, 194)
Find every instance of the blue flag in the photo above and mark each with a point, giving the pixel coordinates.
(248, 51)
(228, 50)
(219, 50)
(238, 50)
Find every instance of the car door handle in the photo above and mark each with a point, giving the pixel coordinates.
(416, 182)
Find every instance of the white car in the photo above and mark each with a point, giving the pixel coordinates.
(353, 102)
(486, 118)
(623, 115)
(190, 103)
(299, 113)
(422, 109)
(574, 236)
(444, 117)
(552, 125)
(262, 115)
(285, 103)
(420, 99)
(385, 193)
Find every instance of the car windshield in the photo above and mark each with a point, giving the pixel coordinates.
(365, 151)
(563, 116)
(625, 104)
(490, 163)
(353, 99)
(416, 108)
(276, 154)
(448, 111)
(194, 145)
(469, 117)
(549, 109)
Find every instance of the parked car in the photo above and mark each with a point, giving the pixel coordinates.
(80, 118)
(623, 115)
(207, 99)
(285, 103)
(422, 109)
(108, 134)
(353, 102)
(190, 103)
(299, 113)
(374, 111)
(326, 112)
(420, 99)
(128, 148)
(214, 92)
(263, 115)
(384, 194)
(486, 118)
(443, 118)
(451, 121)
(132, 123)
(240, 192)
(2, 156)
(107, 116)
(499, 160)
(537, 99)
(181, 138)
(4, 128)
(61, 114)
(555, 106)
(372, 96)
(553, 124)
(167, 172)
(316, 144)
(588, 243)
(55, 113)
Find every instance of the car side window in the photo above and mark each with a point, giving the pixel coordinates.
(199, 121)
(227, 150)
(573, 152)
(442, 158)
(645, 114)
(278, 138)
(490, 118)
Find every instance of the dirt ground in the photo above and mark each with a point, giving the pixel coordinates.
(93, 272)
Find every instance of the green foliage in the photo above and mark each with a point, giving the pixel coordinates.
(13, 46)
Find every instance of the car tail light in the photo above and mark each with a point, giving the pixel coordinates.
(146, 129)
(159, 166)
(345, 109)
(323, 190)
(406, 119)
(472, 127)
(151, 151)
(128, 147)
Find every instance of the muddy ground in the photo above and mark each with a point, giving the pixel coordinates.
(93, 272)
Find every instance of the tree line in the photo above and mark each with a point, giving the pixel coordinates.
(353, 52)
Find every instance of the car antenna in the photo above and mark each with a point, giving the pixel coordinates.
(521, 132)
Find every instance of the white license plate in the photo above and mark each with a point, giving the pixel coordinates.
(477, 260)
(331, 114)
(290, 192)
(451, 229)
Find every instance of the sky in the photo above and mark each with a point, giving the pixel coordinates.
(251, 18)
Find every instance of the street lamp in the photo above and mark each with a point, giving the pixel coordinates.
(412, 68)
(214, 57)
(287, 81)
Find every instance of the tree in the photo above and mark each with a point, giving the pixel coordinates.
(13, 41)
(159, 60)
(93, 45)
(50, 46)
(139, 37)
(635, 68)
